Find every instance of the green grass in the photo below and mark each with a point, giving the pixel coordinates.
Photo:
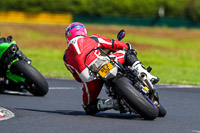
(48, 61)
(174, 61)
(178, 62)
(173, 68)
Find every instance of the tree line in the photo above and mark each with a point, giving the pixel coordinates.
(187, 9)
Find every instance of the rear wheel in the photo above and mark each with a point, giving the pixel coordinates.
(35, 82)
(135, 99)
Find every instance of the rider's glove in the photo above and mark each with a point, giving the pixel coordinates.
(131, 48)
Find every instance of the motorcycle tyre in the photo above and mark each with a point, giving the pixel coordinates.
(135, 99)
(39, 86)
(162, 111)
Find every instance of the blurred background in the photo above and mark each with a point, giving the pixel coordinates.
(134, 12)
(165, 34)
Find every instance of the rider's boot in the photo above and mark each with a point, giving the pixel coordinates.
(100, 105)
(139, 68)
(106, 104)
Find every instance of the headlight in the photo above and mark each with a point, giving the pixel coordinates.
(12, 50)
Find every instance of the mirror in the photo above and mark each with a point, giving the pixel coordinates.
(121, 35)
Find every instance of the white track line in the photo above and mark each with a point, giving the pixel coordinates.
(177, 86)
(195, 131)
(159, 86)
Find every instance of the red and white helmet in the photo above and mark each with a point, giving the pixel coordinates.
(75, 29)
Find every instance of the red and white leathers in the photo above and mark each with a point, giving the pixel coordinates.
(74, 57)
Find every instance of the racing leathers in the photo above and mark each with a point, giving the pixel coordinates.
(74, 57)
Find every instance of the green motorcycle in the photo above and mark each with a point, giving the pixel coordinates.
(16, 72)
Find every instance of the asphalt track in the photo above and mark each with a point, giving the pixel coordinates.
(60, 111)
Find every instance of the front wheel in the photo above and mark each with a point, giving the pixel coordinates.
(162, 111)
(34, 81)
(135, 99)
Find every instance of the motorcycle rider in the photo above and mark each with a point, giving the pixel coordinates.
(78, 47)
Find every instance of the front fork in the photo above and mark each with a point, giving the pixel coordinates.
(153, 94)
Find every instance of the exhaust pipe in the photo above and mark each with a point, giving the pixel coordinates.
(146, 81)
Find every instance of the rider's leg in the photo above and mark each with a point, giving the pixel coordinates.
(101, 105)
(92, 105)
(106, 104)
(132, 60)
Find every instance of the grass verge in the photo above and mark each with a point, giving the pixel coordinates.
(48, 61)
(172, 53)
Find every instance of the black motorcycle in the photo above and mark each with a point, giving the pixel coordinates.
(135, 93)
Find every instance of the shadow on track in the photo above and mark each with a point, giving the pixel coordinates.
(118, 116)
(62, 112)
(82, 113)
(15, 93)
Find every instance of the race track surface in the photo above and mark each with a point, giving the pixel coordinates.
(60, 111)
